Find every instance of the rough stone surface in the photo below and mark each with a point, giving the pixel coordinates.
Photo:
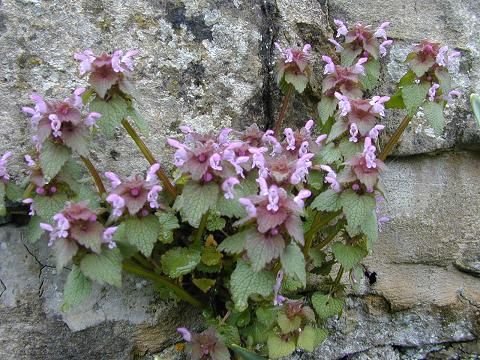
(209, 63)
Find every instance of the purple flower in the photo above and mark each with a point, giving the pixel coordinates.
(341, 28)
(290, 138)
(114, 179)
(277, 298)
(383, 47)
(152, 196)
(86, 58)
(377, 103)
(432, 91)
(29, 201)
(303, 149)
(338, 47)
(330, 66)
(358, 68)
(107, 236)
(301, 196)
(331, 178)
(380, 32)
(151, 177)
(118, 204)
(444, 58)
(343, 104)
(187, 335)
(30, 162)
(373, 134)
(123, 63)
(227, 187)
(353, 133)
(249, 207)
(321, 138)
(92, 118)
(3, 166)
(301, 169)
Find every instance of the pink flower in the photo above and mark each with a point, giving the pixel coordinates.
(341, 28)
(338, 47)
(330, 66)
(55, 124)
(303, 149)
(301, 196)
(121, 62)
(383, 47)
(152, 196)
(380, 32)
(29, 201)
(249, 207)
(369, 153)
(215, 162)
(353, 133)
(92, 118)
(187, 335)
(331, 178)
(358, 68)
(290, 138)
(343, 104)
(108, 236)
(432, 91)
(301, 169)
(444, 57)
(118, 204)
(3, 166)
(227, 187)
(151, 177)
(114, 179)
(86, 59)
(277, 298)
(321, 138)
(373, 134)
(309, 125)
(378, 106)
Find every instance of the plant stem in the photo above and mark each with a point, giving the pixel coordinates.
(330, 237)
(96, 177)
(395, 138)
(318, 223)
(149, 156)
(28, 190)
(135, 269)
(197, 239)
(337, 279)
(283, 110)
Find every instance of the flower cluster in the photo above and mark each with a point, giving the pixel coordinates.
(135, 195)
(107, 71)
(293, 66)
(4, 176)
(61, 121)
(75, 227)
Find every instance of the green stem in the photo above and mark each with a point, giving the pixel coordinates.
(197, 239)
(135, 269)
(149, 156)
(318, 223)
(324, 243)
(283, 110)
(337, 279)
(28, 190)
(96, 177)
(387, 150)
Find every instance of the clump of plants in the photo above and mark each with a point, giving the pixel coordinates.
(247, 218)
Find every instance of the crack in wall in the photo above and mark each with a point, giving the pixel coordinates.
(42, 267)
(269, 34)
(4, 287)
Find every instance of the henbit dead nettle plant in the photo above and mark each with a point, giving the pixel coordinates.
(253, 217)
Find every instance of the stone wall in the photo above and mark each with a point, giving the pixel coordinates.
(208, 63)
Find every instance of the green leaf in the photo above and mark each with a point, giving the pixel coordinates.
(326, 306)
(246, 282)
(215, 222)
(168, 222)
(475, 101)
(357, 208)
(348, 56)
(288, 325)
(195, 201)
(299, 81)
(326, 107)
(180, 261)
(318, 257)
(52, 158)
(372, 74)
(328, 154)
(142, 232)
(414, 96)
(211, 256)
(434, 114)
(293, 263)
(204, 284)
(34, 232)
(77, 289)
(328, 200)
(396, 101)
(103, 268)
(138, 120)
(348, 256)
(278, 348)
(235, 243)
(13, 192)
(231, 207)
(267, 316)
(311, 337)
(338, 128)
(245, 354)
(315, 179)
(349, 149)
(408, 79)
(228, 334)
(47, 206)
(444, 79)
(113, 111)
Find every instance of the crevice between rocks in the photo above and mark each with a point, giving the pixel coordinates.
(269, 29)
